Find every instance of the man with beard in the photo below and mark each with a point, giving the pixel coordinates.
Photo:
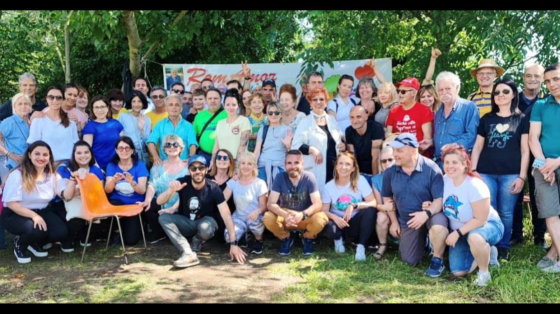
(294, 204)
(201, 201)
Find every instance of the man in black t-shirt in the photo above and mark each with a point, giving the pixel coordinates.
(200, 201)
(364, 139)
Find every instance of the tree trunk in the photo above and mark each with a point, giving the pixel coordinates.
(134, 42)
(67, 73)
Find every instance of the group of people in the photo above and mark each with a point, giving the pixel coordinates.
(358, 168)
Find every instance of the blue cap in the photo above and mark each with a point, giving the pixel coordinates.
(269, 82)
(404, 139)
(197, 158)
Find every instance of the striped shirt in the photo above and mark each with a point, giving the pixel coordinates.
(483, 100)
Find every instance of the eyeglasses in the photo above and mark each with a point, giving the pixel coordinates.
(195, 168)
(99, 108)
(169, 144)
(403, 91)
(485, 73)
(505, 92)
(178, 91)
(51, 97)
(221, 157)
(158, 96)
(123, 149)
(318, 100)
(274, 113)
(383, 161)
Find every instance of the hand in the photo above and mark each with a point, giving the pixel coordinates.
(418, 219)
(517, 186)
(118, 177)
(371, 62)
(348, 213)
(246, 69)
(425, 144)
(176, 186)
(146, 204)
(425, 205)
(15, 157)
(128, 178)
(74, 118)
(291, 220)
(435, 53)
(157, 161)
(39, 222)
(452, 239)
(237, 253)
(340, 222)
(254, 215)
(395, 230)
(166, 211)
(287, 140)
(37, 114)
(341, 147)
(192, 110)
(550, 165)
(318, 156)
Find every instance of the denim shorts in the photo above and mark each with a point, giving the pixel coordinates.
(460, 256)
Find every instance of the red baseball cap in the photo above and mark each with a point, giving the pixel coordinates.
(409, 82)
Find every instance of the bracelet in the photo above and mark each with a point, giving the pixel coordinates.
(429, 213)
(522, 178)
(460, 233)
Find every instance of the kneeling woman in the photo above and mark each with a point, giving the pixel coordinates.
(27, 194)
(476, 226)
(343, 202)
(126, 185)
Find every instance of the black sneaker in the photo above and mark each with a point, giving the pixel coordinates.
(67, 246)
(37, 250)
(154, 238)
(243, 243)
(257, 247)
(21, 253)
(503, 254)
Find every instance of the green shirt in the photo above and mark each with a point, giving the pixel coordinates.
(547, 112)
(208, 138)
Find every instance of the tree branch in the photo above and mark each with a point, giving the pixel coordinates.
(158, 42)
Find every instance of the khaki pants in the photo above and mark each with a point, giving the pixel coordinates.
(312, 225)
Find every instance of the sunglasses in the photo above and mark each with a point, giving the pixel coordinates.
(123, 149)
(505, 92)
(195, 168)
(178, 91)
(383, 161)
(274, 113)
(220, 157)
(158, 96)
(51, 97)
(169, 145)
(403, 91)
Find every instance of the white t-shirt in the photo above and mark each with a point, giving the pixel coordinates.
(61, 139)
(343, 112)
(341, 196)
(246, 198)
(39, 198)
(458, 199)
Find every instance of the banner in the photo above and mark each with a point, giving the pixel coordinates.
(281, 73)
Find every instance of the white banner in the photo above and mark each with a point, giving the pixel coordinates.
(281, 73)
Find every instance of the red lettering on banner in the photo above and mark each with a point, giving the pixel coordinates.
(197, 76)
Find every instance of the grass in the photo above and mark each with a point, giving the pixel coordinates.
(326, 277)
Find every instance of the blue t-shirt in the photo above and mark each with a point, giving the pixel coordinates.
(105, 136)
(295, 197)
(409, 192)
(64, 171)
(123, 191)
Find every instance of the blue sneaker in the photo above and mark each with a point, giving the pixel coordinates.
(307, 246)
(286, 246)
(436, 268)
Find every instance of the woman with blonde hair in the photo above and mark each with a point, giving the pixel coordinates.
(250, 195)
(14, 130)
(349, 203)
(388, 97)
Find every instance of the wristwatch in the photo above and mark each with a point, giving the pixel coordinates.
(233, 243)
(429, 213)
(305, 215)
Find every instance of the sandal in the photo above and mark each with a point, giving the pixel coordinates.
(379, 255)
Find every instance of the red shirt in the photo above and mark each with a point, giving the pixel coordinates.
(411, 120)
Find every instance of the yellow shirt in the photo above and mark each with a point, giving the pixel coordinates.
(156, 117)
(229, 134)
(482, 100)
(123, 110)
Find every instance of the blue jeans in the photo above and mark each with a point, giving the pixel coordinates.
(503, 201)
(460, 256)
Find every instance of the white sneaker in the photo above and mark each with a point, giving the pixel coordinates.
(339, 246)
(483, 278)
(360, 253)
(494, 257)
